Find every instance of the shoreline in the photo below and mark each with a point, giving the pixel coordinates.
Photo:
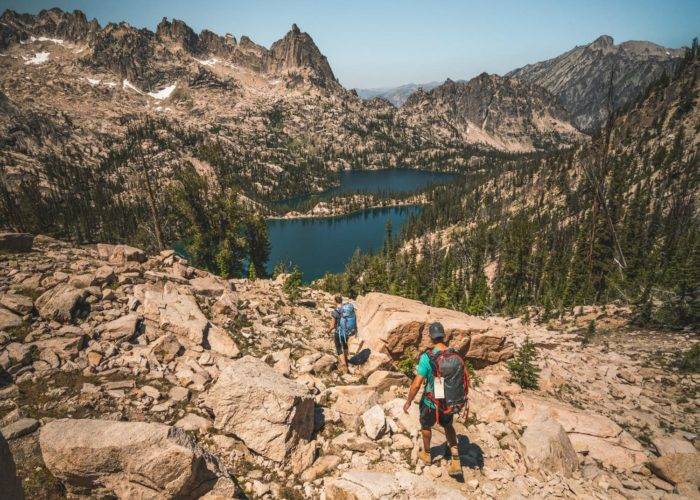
(343, 213)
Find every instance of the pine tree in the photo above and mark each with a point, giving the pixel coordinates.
(523, 370)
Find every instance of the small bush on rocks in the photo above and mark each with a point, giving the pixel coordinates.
(292, 286)
(407, 364)
(523, 370)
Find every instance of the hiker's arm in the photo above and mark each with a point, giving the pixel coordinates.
(331, 325)
(415, 387)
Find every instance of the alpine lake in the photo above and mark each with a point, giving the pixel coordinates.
(320, 245)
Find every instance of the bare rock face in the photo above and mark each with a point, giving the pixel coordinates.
(678, 468)
(125, 459)
(270, 413)
(548, 448)
(63, 303)
(357, 484)
(491, 110)
(391, 324)
(591, 433)
(298, 50)
(16, 242)
(10, 484)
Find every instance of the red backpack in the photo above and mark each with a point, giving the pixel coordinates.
(449, 365)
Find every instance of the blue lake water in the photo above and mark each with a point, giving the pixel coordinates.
(391, 181)
(322, 245)
(325, 244)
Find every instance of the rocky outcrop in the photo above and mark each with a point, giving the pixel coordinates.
(678, 468)
(285, 419)
(270, 413)
(391, 324)
(590, 433)
(580, 78)
(63, 303)
(126, 459)
(358, 484)
(10, 484)
(120, 254)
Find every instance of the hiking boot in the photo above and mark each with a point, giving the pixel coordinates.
(455, 468)
(424, 456)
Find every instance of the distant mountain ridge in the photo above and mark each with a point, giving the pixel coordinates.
(395, 95)
(580, 78)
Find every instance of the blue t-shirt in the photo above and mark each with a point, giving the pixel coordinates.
(425, 370)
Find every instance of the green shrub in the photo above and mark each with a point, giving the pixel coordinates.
(474, 379)
(589, 333)
(523, 370)
(292, 286)
(407, 364)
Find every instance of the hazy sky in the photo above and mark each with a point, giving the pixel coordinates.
(375, 43)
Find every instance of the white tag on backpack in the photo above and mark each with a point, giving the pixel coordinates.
(439, 388)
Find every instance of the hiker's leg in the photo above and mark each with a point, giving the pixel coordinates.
(451, 435)
(455, 467)
(426, 416)
(341, 353)
(427, 435)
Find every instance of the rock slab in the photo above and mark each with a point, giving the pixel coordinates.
(125, 459)
(391, 324)
(267, 411)
(548, 448)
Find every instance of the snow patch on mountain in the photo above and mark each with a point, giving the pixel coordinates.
(128, 85)
(207, 62)
(163, 93)
(39, 58)
(46, 39)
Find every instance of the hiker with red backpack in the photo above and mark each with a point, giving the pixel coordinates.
(446, 381)
(344, 325)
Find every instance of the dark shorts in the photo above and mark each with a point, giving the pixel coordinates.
(341, 345)
(427, 416)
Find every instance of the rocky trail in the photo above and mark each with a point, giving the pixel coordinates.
(134, 376)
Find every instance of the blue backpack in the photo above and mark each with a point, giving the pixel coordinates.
(347, 323)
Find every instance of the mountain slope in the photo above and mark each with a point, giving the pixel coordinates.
(615, 219)
(580, 78)
(503, 113)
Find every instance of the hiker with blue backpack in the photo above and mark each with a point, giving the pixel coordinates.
(344, 325)
(443, 372)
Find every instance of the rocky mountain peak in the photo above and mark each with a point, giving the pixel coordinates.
(603, 41)
(179, 32)
(297, 50)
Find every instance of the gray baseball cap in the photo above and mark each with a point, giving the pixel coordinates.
(436, 331)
